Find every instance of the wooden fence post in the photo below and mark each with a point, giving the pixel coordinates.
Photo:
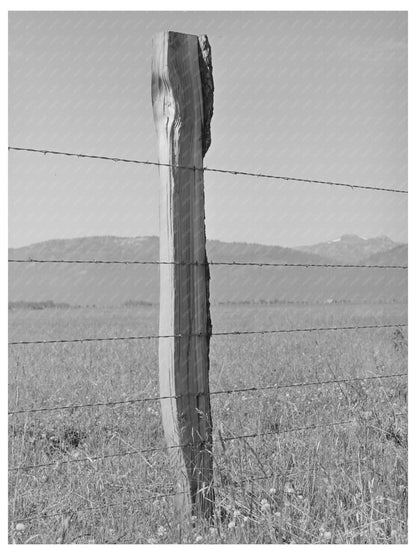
(182, 97)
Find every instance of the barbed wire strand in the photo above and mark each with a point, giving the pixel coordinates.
(179, 335)
(212, 393)
(165, 448)
(156, 449)
(216, 334)
(159, 495)
(98, 507)
(146, 498)
(207, 169)
(230, 438)
(210, 263)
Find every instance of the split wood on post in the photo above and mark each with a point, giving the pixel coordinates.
(182, 97)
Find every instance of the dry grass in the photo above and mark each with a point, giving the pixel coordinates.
(336, 484)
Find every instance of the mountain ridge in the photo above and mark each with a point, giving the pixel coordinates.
(60, 248)
(350, 248)
(116, 284)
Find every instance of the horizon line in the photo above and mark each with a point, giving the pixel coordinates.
(210, 239)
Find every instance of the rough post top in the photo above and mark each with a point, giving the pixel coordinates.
(159, 33)
(200, 47)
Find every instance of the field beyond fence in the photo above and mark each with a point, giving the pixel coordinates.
(305, 451)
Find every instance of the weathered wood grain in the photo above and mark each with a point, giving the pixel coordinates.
(182, 108)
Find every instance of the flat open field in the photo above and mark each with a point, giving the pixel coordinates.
(329, 464)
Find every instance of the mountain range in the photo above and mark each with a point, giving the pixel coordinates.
(116, 284)
(351, 248)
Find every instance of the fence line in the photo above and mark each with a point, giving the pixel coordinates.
(165, 448)
(216, 392)
(222, 439)
(193, 168)
(217, 334)
(209, 263)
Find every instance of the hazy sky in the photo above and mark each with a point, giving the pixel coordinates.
(321, 95)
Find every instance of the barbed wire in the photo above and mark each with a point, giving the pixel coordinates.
(207, 169)
(261, 332)
(159, 495)
(216, 334)
(209, 263)
(98, 507)
(148, 450)
(212, 393)
(146, 498)
(297, 429)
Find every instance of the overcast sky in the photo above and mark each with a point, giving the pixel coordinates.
(321, 95)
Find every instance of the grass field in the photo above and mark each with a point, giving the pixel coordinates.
(343, 483)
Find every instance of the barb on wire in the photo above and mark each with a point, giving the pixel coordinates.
(210, 263)
(218, 334)
(212, 393)
(217, 170)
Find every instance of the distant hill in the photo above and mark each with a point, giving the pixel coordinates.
(397, 256)
(117, 284)
(350, 248)
(89, 248)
